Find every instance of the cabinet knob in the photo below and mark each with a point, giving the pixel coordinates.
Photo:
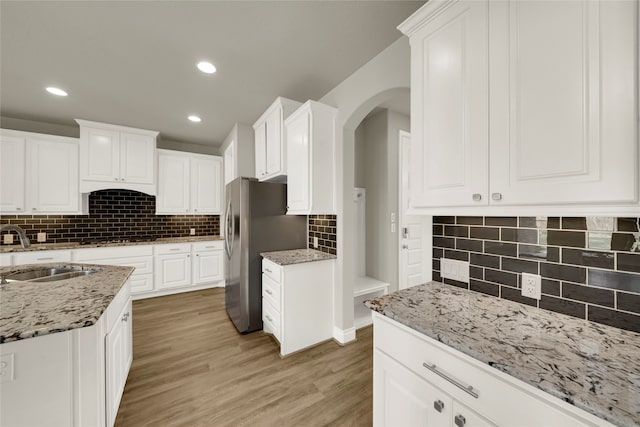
(405, 246)
(438, 405)
(476, 197)
(115, 179)
(121, 179)
(195, 210)
(268, 318)
(496, 196)
(18, 209)
(459, 420)
(33, 209)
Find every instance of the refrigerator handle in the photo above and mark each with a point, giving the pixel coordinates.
(228, 234)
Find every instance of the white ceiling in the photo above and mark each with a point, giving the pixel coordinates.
(133, 63)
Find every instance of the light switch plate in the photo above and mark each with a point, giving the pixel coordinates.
(192, 232)
(42, 237)
(454, 270)
(8, 239)
(315, 242)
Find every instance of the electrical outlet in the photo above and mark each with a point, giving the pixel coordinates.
(192, 232)
(531, 285)
(315, 242)
(42, 237)
(8, 239)
(454, 270)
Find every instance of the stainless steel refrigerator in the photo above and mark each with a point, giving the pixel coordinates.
(255, 222)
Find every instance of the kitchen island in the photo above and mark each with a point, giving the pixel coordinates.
(65, 345)
(587, 365)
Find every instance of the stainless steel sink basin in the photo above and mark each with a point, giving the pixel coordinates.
(47, 275)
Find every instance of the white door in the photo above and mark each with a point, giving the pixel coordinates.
(100, 155)
(298, 188)
(173, 184)
(415, 230)
(205, 185)
(449, 117)
(208, 267)
(403, 399)
(274, 142)
(261, 150)
(137, 158)
(563, 105)
(230, 162)
(12, 174)
(52, 168)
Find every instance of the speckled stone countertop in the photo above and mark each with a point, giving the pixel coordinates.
(593, 366)
(30, 309)
(77, 245)
(296, 256)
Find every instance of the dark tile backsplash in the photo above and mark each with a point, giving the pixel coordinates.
(114, 215)
(324, 228)
(590, 267)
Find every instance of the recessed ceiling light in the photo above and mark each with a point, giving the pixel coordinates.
(195, 119)
(56, 91)
(206, 67)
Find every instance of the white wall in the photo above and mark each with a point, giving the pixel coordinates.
(380, 79)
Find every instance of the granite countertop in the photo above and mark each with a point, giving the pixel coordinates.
(592, 366)
(30, 309)
(296, 256)
(77, 245)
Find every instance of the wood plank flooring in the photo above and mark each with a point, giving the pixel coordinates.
(192, 368)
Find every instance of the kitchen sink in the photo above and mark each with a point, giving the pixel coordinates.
(47, 275)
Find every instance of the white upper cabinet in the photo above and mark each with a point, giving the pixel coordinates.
(189, 183)
(518, 103)
(39, 174)
(12, 174)
(270, 143)
(311, 159)
(116, 157)
(239, 153)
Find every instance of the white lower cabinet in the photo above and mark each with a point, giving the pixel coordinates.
(70, 378)
(297, 303)
(420, 381)
(208, 262)
(173, 265)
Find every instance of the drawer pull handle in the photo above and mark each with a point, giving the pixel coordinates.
(268, 318)
(269, 292)
(438, 405)
(459, 420)
(466, 388)
(44, 259)
(209, 247)
(175, 249)
(267, 270)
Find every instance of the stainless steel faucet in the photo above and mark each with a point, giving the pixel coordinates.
(24, 240)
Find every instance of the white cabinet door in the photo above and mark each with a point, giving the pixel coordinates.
(172, 271)
(173, 184)
(230, 162)
(208, 267)
(299, 157)
(261, 150)
(12, 174)
(274, 143)
(100, 154)
(449, 105)
(118, 358)
(137, 160)
(206, 194)
(402, 398)
(563, 107)
(52, 179)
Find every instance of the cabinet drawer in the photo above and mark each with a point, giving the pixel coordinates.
(39, 257)
(117, 305)
(91, 254)
(493, 388)
(271, 320)
(141, 283)
(273, 270)
(168, 249)
(208, 246)
(271, 292)
(143, 265)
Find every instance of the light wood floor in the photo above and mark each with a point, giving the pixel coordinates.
(192, 368)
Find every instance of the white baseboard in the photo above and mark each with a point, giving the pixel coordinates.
(344, 336)
(164, 292)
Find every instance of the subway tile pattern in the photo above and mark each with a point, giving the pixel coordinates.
(324, 228)
(590, 266)
(114, 215)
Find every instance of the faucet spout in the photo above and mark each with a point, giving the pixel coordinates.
(22, 235)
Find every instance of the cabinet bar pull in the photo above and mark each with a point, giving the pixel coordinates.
(269, 292)
(466, 388)
(175, 249)
(44, 259)
(267, 270)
